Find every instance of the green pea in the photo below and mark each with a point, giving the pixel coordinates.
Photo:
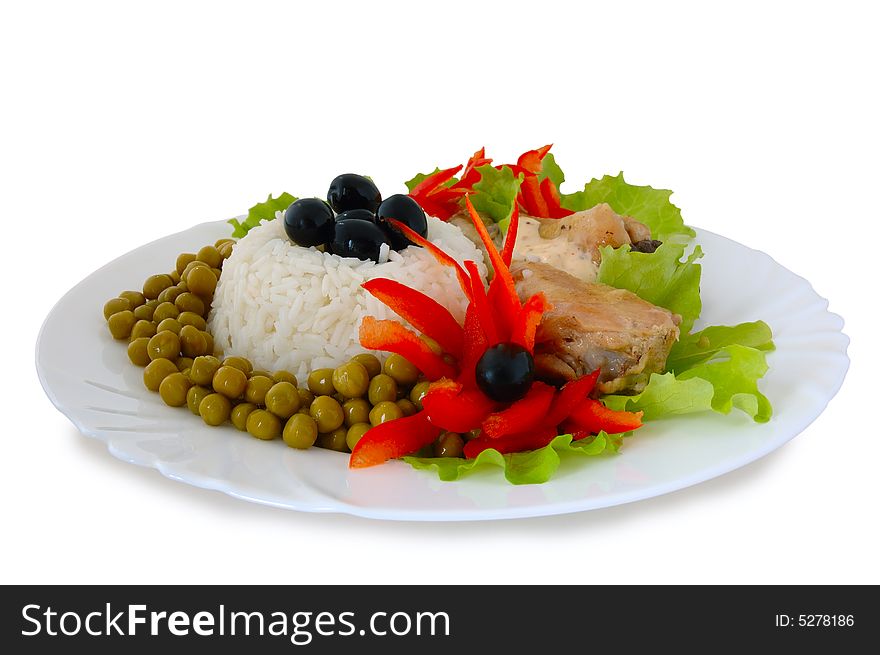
(356, 410)
(382, 387)
(229, 381)
(400, 368)
(282, 399)
(370, 362)
(256, 389)
(156, 371)
(115, 305)
(183, 259)
(143, 328)
(144, 312)
(192, 319)
(192, 341)
(333, 440)
(240, 415)
(190, 302)
(385, 411)
(263, 424)
(174, 388)
(355, 433)
(169, 294)
(320, 382)
(164, 345)
(203, 369)
(351, 379)
(135, 298)
(449, 444)
(215, 408)
(170, 324)
(201, 281)
(165, 310)
(327, 413)
(285, 376)
(210, 256)
(240, 363)
(301, 431)
(121, 324)
(407, 407)
(137, 351)
(184, 364)
(156, 284)
(418, 392)
(194, 397)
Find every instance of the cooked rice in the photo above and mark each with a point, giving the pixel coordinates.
(286, 307)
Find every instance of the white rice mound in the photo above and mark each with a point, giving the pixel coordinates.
(286, 307)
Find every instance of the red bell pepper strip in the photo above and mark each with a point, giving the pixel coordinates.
(511, 443)
(392, 336)
(435, 197)
(510, 237)
(440, 206)
(550, 194)
(592, 416)
(509, 311)
(393, 439)
(434, 181)
(452, 407)
(424, 313)
(533, 160)
(524, 414)
(481, 306)
(526, 323)
(531, 198)
(446, 195)
(463, 280)
(507, 303)
(475, 345)
(570, 396)
(471, 175)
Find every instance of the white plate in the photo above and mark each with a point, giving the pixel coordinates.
(88, 377)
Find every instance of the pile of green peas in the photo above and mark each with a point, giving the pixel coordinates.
(166, 327)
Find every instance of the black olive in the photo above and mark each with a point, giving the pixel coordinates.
(646, 245)
(351, 191)
(309, 222)
(406, 210)
(354, 237)
(360, 214)
(505, 372)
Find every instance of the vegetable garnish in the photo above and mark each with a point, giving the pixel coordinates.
(714, 369)
(455, 402)
(534, 189)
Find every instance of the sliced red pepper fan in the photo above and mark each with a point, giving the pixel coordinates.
(440, 195)
(454, 402)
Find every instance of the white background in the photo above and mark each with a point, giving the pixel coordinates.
(122, 123)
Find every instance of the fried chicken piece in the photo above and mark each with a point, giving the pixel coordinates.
(595, 326)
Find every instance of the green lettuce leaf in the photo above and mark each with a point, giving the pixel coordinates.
(727, 379)
(734, 373)
(530, 467)
(664, 278)
(551, 169)
(701, 346)
(414, 182)
(664, 395)
(260, 212)
(495, 194)
(646, 204)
